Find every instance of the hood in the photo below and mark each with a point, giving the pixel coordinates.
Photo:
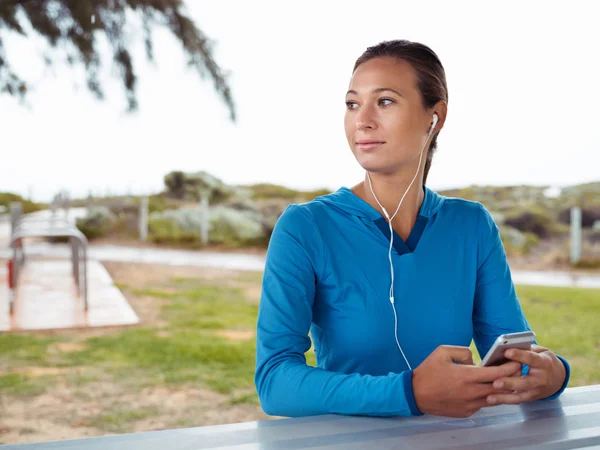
(345, 200)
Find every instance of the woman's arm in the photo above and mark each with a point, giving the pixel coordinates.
(286, 385)
(496, 307)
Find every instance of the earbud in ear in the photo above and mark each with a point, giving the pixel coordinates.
(435, 121)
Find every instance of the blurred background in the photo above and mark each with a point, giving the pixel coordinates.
(149, 147)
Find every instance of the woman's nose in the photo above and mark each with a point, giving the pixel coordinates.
(365, 119)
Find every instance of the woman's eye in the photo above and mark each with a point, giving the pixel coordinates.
(381, 102)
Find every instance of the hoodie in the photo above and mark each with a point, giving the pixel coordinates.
(327, 277)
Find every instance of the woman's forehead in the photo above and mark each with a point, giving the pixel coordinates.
(382, 72)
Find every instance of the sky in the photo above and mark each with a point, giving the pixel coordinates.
(523, 99)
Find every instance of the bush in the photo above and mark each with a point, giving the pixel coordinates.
(157, 203)
(272, 191)
(98, 222)
(516, 242)
(235, 228)
(307, 196)
(537, 223)
(587, 264)
(163, 230)
(270, 211)
(268, 191)
(531, 240)
(6, 198)
(588, 216)
(189, 186)
(127, 226)
(594, 236)
(227, 226)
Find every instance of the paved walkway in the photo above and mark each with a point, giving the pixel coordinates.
(234, 261)
(241, 261)
(48, 299)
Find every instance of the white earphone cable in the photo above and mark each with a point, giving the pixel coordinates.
(391, 293)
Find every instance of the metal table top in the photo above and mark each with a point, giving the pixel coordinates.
(571, 422)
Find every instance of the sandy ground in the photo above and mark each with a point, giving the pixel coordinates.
(71, 411)
(67, 413)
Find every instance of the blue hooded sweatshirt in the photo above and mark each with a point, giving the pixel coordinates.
(327, 272)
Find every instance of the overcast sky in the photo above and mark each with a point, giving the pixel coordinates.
(523, 87)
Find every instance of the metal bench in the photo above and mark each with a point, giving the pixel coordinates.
(53, 226)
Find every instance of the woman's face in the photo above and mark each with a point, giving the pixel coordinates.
(386, 123)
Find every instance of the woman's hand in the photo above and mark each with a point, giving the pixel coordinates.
(444, 388)
(546, 376)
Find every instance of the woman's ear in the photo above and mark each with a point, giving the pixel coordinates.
(441, 109)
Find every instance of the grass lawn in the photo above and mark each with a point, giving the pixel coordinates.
(566, 320)
(191, 361)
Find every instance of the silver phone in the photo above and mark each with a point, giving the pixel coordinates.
(495, 356)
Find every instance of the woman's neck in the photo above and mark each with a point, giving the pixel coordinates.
(389, 191)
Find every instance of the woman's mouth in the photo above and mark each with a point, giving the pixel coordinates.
(368, 145)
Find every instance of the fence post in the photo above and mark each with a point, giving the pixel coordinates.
(144, 219)
(205, 223)
(575, 234)
(15, 214)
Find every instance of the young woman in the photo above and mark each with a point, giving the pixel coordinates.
(392, 280)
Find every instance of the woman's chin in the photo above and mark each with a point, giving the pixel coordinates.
(373, 164)
(380, 165)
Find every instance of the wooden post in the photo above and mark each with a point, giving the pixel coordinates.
(144, 219)
(66, 204)
(575, 234)
(16, 210)
(205, 223)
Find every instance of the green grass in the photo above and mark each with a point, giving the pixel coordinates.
(185, 349)
(186, 356)
(21, 350)
(251, 277)
(566, 320)
(23, 385)
(152, 293)
(119, 417)
(248, 398)
(191, 352)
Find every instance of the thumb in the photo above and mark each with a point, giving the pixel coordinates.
(458, 354)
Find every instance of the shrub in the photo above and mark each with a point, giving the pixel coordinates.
(6, 198)
(517, 242)
(588, 216)
(162, 230)
(537, 223)
(97, 223)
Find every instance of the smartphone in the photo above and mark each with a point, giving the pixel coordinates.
(495, 356)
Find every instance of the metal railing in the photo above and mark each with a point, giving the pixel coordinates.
(31, 226)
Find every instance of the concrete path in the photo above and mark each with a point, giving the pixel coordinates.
(240, 261)
(48, 299)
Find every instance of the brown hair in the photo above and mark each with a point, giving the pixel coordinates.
(431, 77)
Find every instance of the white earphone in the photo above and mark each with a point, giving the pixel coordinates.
(435, 121)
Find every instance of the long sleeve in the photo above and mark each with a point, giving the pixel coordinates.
(496, 306)
(286, 385)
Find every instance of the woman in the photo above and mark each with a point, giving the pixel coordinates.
(392, 280)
